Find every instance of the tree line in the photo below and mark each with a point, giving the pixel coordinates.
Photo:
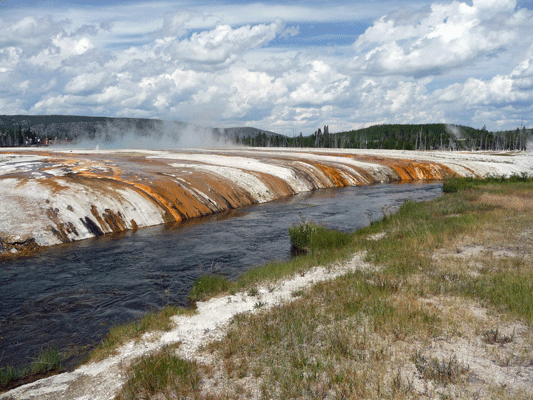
(402, 137)
(18, 137)
(388, 136)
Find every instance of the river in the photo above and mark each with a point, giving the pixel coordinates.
(69, 296)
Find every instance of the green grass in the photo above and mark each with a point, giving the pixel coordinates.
(419, 229)
(163, 374)
(337, 337)
(454, 185)
(47, 362)
(318, 342)
(508, 290)
(9, 374)
(309, 237)
(118, 335)
(208, 285)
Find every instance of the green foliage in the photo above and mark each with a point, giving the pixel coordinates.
(47, 361)
(120, 334)
(310, 237)
(403, 137)
(453, 185)
(457, 184)
(9, 374)
(508, 289)
(302, 235)
(208, 285)
(162, 374)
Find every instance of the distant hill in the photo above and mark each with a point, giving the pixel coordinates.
(17, 130)
(246, 131)
(433, 137)
(406, 137)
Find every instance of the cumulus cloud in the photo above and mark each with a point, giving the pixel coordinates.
(30, 31)
(320, 84)
(85, 82)
(443, 37)
(464, 62)
(224, 44)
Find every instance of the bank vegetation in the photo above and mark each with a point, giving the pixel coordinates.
(446, 311)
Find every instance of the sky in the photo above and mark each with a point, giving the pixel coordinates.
(283, 66)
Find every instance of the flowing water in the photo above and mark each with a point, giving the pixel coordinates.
(69, 296)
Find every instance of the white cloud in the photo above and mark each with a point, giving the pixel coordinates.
(224, 44)
(60, 48)
(320, 84)
(30, 31)
(242, 64)
(85, 82)
(442, 37)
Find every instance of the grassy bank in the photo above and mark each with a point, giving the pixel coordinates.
(46, 363)
(445, 313)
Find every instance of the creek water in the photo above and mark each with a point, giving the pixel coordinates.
(69, 296)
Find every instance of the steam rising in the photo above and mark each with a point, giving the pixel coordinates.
(151, 135)
(454, 130)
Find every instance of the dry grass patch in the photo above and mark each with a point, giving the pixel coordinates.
(336, 340)
(517, 202)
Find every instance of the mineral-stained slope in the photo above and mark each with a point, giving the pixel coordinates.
(58, 196)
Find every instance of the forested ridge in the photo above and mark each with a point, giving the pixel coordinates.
(404, 137)
(26, 130)
(41, 130)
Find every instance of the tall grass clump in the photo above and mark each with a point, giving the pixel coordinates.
(47, 362)
(308, 237)
(160, 375)
(446, 371)
(208, 285)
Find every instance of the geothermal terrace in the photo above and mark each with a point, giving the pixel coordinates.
(58, 196)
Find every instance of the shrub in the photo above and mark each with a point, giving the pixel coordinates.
(440, 371)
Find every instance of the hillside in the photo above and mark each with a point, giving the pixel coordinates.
(23, 130)
(404, 137)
